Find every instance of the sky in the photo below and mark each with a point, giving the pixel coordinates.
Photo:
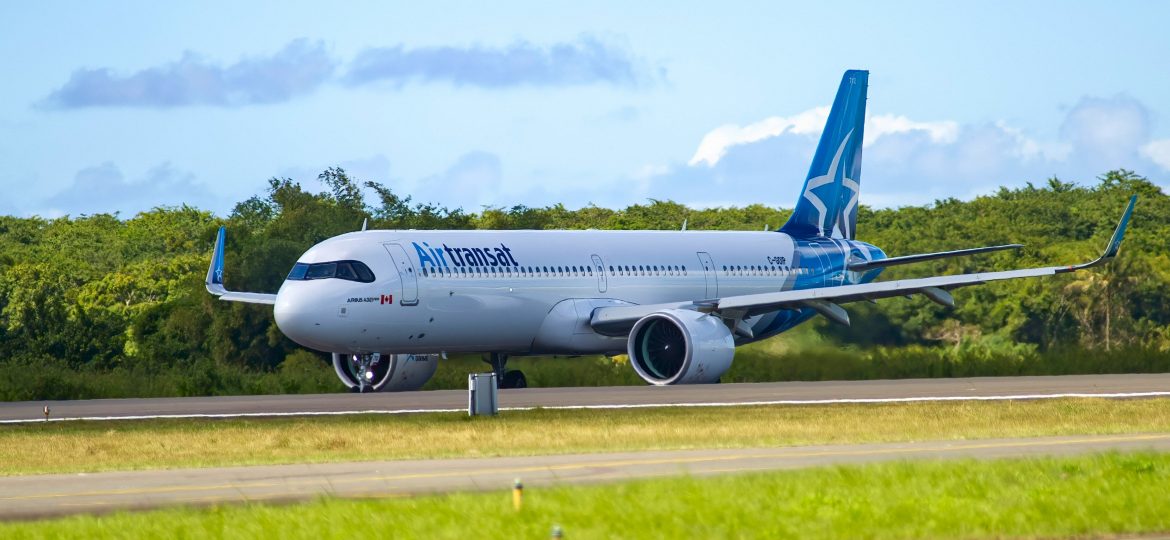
(125, 106)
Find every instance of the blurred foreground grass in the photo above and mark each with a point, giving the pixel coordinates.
(1088, 496)
(174, 443)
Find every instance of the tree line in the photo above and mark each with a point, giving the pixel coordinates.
(85, 297)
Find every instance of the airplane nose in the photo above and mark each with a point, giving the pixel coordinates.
(299, 319)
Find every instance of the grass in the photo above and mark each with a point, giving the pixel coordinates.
(1106, 494)
(154, 444)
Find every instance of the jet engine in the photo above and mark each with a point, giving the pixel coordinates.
(377, 372)
(679, 346)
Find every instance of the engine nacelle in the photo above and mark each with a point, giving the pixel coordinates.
(385, 372)
(679, 346)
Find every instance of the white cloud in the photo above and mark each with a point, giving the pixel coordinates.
(880, 125)
(1106, 133)
(298, 69)
(910, 161)
(1159, 152)
(716, 143)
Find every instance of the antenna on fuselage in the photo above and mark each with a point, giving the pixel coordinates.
(364, 222)
(767, 227)
(684, 227)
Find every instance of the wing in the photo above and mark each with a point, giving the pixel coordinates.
(618, 320)
(214, 281)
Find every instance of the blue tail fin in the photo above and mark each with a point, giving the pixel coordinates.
(828, 205)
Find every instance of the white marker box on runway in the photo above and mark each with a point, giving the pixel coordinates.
(481, 394)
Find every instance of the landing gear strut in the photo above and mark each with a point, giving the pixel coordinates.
(362, 366)
(507, 379)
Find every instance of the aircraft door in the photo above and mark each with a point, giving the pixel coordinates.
(406, 274)
(600, 269)
(709, 275)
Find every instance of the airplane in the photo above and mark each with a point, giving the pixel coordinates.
(389, 303)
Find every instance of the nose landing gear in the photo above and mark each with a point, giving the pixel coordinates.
(507, 379)
(362, 367)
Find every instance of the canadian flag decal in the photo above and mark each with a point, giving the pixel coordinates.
(387, 298)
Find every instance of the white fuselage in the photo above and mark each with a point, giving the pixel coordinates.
(531, 292)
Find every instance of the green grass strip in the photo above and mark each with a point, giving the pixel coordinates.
(125, 445)
(1104, 494)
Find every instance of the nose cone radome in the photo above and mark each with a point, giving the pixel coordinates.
(301, 318)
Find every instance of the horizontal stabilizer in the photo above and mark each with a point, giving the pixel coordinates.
(859, 266)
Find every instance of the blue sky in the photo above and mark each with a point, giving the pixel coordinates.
(123, 106)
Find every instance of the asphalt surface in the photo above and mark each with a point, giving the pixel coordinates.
(1143, 385)
(28, 497)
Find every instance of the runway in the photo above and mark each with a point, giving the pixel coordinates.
(26, 497)
(984, 388)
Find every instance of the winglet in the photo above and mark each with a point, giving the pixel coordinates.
(1119, 234)
(214, 281)
(1114, 245)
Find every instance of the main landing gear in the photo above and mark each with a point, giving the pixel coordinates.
(507, 379)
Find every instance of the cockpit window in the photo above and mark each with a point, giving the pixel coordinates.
(347, 270)
(321, 271)
(298, 271)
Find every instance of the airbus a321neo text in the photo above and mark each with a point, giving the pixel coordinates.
(389, 303)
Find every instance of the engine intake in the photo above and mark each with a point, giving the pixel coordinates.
(679, 346)
(385, 372)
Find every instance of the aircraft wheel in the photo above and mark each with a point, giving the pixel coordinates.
(514, 379)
